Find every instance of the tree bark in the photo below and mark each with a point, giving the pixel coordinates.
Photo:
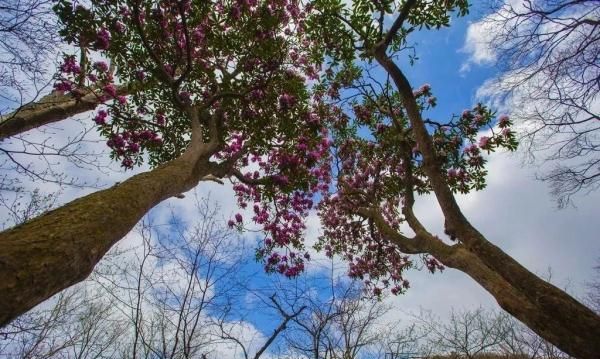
(550, 312)
(60, 248)
(51, 108)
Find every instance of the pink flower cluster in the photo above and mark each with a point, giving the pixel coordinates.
(102, 39)
(127, 145)
(372, 257)
(503, 121)
(233, 147)
(433, 264)
(424, 90)
(70, 66)
(278, 209)
(286, 101)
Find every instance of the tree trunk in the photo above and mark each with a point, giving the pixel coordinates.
(60, 248)
(51, 108)
(550, 312)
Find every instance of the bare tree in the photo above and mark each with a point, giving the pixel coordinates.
(29, 39)
(338, 323)
(170, 286)
(23, 207)
(549, 53)
(522, 341)
(467, 333)
(76, 324)
(227, 331)
(396, 343)
(480, 333)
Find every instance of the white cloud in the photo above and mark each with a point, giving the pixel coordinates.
(477, 46)
(479, 38)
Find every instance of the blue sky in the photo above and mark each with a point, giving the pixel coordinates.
(441, 57)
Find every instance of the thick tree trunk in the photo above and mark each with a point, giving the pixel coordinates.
(60, 248)
(550, 312)
(51, 108)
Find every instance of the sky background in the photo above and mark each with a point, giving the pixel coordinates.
(515, 211)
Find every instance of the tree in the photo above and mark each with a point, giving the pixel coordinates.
(337, 322)
(168, 294)
(547, 52)
(469, 333)
(404, 154)
(202, 87)
(77, 323)
(28, 50)
(29, 38)
(481, 333)
(411, 340)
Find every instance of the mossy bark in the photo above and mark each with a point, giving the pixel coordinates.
(60, 248)
(49, 109)
(547, 310)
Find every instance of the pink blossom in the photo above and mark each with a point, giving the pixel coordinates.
(100, 118)
(484, 141)
(63, 86)
(185, 97)
(133, 147)
(127, 162)
(101, 66)
(503, 121)
(70, 66)
(119, 26)
(286, 101)
(110, 90)
(102, 39)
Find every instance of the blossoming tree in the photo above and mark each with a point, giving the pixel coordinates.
(389, 151)
(215, 99)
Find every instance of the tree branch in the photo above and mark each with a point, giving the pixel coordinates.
(393, 31)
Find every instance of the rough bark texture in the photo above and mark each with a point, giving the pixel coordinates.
(51, 108)
(547, 310)
(54, 251)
